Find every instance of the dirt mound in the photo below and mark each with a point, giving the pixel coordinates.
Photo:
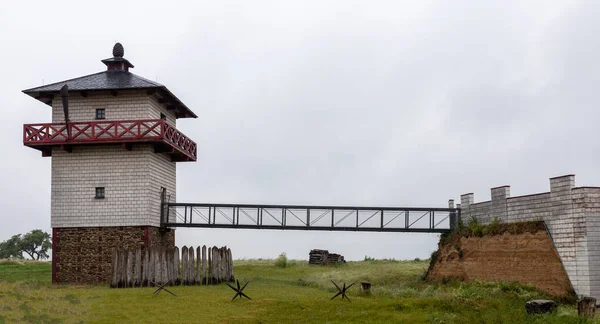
(524, 254)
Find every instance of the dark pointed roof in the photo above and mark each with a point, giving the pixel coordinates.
(105, 80)
(113, 79)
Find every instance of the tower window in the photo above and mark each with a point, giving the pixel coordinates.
(99, 113)
(99, 192)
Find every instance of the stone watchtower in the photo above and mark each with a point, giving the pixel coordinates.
(114, 146)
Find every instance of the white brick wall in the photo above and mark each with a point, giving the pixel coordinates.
(162, 174)
(573, 219)
(127, 105)
(156, 109)
(132, 179)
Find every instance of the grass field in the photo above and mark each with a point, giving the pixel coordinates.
(298, 293)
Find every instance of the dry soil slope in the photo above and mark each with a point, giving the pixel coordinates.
(515, 252)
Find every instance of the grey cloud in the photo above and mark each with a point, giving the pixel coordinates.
(377, 103)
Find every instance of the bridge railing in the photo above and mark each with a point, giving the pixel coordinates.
(324, 218)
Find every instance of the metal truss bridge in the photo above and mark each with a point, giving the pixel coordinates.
(315, 218)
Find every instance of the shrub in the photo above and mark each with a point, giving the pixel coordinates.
(417, 260)
(433, 257)
(493, 227)
(473, 222)
(368, 258)
(460, 224)
(444, 238)
(475, 227)
(281, 261)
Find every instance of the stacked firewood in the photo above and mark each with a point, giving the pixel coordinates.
(323, 257)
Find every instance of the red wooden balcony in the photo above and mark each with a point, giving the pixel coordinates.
(164, 137)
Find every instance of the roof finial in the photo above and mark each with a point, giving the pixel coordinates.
(117, 62)
(118, 50)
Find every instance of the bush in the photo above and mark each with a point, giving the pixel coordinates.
(444, 238)
(475, 227)
(493, 227)
(368, 258)
(281, 261)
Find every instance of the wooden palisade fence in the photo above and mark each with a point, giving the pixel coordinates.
(156, 266)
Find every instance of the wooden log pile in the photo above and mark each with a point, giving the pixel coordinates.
(156, 266)
(323, 257)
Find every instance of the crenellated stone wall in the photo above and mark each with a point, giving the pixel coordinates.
(572, 215)
(84, 254)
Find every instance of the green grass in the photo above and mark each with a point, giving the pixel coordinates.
(298, 293)
(21, 270)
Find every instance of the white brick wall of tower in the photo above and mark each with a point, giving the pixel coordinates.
(132, 180)
(126, 105)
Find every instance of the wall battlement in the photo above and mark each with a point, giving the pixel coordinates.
(572, 215)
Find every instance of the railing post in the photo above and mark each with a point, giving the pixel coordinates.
(162, 207)
(307, 217)
(332, 218)
(430, 219)
(162, 128)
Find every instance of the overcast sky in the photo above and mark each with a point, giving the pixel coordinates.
(325, 102)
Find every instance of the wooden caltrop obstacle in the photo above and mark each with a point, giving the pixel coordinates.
(168, 267)
(239, 291)
(162, 287)
(342, 291)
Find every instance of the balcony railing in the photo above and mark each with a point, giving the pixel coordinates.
(123, 131)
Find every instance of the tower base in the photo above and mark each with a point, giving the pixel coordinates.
(84, 254)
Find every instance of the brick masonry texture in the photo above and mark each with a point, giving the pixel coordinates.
(86, 230)
(572, 215)
(84, 254)
(132, 179)
(132, 182)
(527, 258)
(127, 105)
